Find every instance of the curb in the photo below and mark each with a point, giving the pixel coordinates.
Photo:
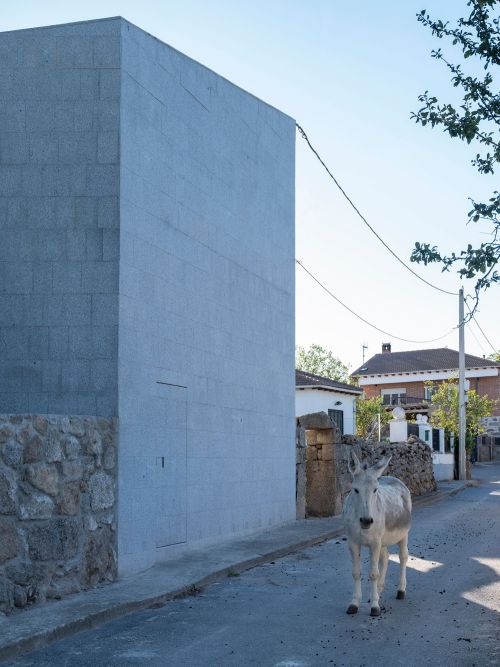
(98, 618)
(424, 501)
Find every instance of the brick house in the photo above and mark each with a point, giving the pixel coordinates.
(399, 377)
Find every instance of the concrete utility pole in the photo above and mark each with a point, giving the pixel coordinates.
(461, 385)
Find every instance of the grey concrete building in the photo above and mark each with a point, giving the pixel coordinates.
(147, 274)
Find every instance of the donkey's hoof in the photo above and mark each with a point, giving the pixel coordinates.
(400, 595)
(352, 609)
(375, 611)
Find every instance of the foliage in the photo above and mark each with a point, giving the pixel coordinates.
(476, 120)
(319, 361)
(367, 411)
(495, 356)
(445, 410)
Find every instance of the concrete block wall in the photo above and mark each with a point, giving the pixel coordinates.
(59, 225)
(147, 272)
(206, 304)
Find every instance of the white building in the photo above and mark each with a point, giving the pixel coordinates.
(314, 393)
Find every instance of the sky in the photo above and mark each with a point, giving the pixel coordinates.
(350, 74)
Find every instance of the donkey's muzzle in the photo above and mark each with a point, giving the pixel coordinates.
(365, 523)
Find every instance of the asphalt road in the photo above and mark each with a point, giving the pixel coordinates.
(291, 613)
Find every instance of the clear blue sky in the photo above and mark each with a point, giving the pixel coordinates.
(350, 73)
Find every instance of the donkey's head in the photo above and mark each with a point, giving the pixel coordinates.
(365, 487)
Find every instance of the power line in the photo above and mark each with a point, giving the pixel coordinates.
(440, 289)
(476, 338)
(478, 326)
(386, 333)
(485, 336)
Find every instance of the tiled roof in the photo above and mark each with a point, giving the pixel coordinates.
(440, 358)
(303, 379)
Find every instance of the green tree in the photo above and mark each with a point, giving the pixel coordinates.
(477, 121)
(367, 412)
(319, 361)
(495, 356)
(445, 410)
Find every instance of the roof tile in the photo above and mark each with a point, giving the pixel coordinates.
(303, 379)
(419, 360)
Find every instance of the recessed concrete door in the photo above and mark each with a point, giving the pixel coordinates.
(171, 465)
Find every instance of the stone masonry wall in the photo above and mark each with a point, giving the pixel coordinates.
(411, 462)
(57, 506)
(322, 476)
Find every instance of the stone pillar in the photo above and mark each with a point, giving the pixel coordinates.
(398, 430)
(424, 430)
(322, 497)
(320, 489)
(398, 426)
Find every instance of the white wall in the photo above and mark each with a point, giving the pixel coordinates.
(443, 466)
(424, 376)
(318, 400)
(206, 347)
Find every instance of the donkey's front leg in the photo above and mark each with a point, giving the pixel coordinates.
(403, 557)
(374, 575)
(355, 550)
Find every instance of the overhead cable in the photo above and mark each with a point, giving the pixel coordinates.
(306, 138)
(386, 333)
(471, 330)
(473, 317)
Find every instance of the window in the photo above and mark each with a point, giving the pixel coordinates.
(429, 392)
(337, 416)
(395, 396)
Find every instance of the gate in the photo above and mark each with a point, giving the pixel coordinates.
(435, 439)
(413, 429)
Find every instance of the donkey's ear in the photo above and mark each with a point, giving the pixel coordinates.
(380, 467)
(353, 462)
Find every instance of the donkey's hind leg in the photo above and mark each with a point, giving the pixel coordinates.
(403, 557)
(382, 568)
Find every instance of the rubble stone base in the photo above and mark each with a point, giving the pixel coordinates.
(57, 506)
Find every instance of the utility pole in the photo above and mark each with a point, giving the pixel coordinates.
(365, 347)
(461, 385)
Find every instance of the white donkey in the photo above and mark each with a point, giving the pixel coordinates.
(377, 513)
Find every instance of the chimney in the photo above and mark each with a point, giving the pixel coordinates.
(386, 348)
